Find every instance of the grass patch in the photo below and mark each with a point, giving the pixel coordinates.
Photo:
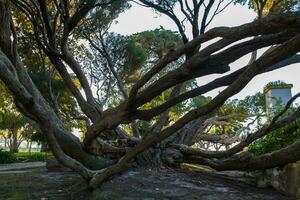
(32, 156)
(195, 166)
(7, 157)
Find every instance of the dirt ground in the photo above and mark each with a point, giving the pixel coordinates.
(142, 184)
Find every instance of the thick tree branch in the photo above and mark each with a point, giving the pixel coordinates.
(281, 52)
(125, 114)
(219, 82)
(247, 162)
(201, 65)
(251, 138)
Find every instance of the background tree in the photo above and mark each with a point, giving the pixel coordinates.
(11, 124)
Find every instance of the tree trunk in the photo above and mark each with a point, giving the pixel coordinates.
(14, 146)
(159, 155)
(44, 147)
(164, 153)
(5, 142)
(30, 146)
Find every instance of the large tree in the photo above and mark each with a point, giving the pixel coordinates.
(54, 27)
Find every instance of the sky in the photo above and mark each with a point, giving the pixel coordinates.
(138, 19)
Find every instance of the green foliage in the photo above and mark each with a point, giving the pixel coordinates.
(132, 53)
(254, 104)
(7, 157)
(135, 57)
(32, 156)
(158, 42)
(165, 4)
(270, 6)
(5, 98)
(277, 139)
(39, 66)
(100, 19)
(38, 137)
(129, 57)
(55, 92)
(230, 107)
(11, 121)
(199, 101)
(277, 84)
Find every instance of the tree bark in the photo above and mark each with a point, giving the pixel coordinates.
(30, 101)
(13, 141)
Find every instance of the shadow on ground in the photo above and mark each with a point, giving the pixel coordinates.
(133, 185)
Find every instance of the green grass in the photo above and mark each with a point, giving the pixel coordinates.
(33, 156)
(23, 156)
(7, 157)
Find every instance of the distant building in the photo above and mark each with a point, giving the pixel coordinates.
(277, 92)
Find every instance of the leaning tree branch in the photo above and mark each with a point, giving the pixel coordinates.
(219, 82)
(124, 113)
(251, 138)
(200, 65)
(281, 52)
(275, 25)
(248, 163)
